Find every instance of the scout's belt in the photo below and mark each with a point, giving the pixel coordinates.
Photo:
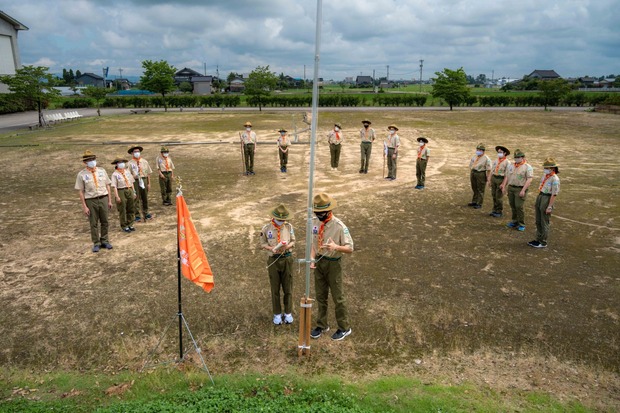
(286, 254)
(325, 257)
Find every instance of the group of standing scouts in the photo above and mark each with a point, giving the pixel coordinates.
(128, 189)
(514, 179)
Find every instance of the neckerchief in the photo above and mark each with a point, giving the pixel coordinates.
(473, 165)
(139, 166)
(322, 228)
(545, 180)
(277, 227)
(420, 150)
(498, 164)
(122, 172)
(167, 167)
(94, 173)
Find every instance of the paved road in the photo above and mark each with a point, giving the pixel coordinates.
(24, 120)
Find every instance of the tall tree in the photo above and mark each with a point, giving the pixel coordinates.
(260, 83)
(232, 76)
(552, 91)
(158, 77)
(34, 84)
(451, 86)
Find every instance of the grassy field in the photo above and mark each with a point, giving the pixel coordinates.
(439, 294)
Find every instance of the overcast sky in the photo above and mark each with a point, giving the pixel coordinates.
(497, 38)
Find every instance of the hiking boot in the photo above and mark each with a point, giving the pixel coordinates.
(288, 318)
(277, 319)
(317, 331)
(340, 334)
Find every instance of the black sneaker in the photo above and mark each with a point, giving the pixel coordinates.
(106, 245)
(317, 331)
(477, 206)
(149, 216)
(96, 248)
(471, 204)
(126, 229)
(340, 334)
(534, 244)
(138, 219)
(132, 228)
(540, 245)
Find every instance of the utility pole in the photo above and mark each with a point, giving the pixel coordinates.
(205, 68)
(421, 64)
(387, 77)
(373, 80)
(120, 73)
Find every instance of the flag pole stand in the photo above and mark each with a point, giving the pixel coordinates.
(182, 320)
(305, 320)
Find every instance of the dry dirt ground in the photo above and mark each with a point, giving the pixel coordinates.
(435, 289)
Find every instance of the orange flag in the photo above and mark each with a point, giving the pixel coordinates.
(194, 264)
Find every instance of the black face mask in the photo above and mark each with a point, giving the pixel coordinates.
(366, 125)
(322, 216)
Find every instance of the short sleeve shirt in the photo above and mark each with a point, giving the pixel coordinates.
(248, 137)
(94, 184)
(334, 229)
(480, 163)
(500, 166)
(140, 167)
(335, 138)
(122, 179)
(269, 235)
(284, 141)
(164, 164)
(423, 152)
(367, 135)
(392, 141)
(518, 176)
(551, 186)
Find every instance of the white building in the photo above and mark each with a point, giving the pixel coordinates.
(9, 51)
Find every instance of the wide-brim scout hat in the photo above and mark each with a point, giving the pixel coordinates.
(392, 127)
(422, 139)
(164, 149)
(551, 163)
(337, 125)
(133, 148)
(88, 156)
(118, 160)
(282, 130)
(503, 149)
(323, 203)
(280, 212)
(519, 153)
(481, 147)
(366, 121)
(248, 124)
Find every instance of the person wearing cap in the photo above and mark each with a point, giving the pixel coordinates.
(547, 193)
(480, 172)
(498, 171)
(141, 171)
(122, 182)
(93, 185)
(283, 144)
(420, 164)
(330, 240)
(335, 139)
(165, 169)
(248, 139)
(367, 135)
(278, 238)
(516, 182)
(390, 146)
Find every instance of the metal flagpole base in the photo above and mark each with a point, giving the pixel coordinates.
(305, 321)
(196, 348)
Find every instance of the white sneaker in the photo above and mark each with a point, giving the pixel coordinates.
(277, 319)
(288, 318)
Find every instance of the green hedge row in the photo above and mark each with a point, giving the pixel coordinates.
(10, 104)
(185, 101)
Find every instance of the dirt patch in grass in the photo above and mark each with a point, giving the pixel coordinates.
(434, 288)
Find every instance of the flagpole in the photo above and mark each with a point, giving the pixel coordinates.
(180, 312)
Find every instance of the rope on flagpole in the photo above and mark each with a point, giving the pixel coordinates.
(179, 185)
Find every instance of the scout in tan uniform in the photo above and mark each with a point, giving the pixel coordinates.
(480, 172)
(367, 136)
(283, 144)
(93, 185)
(165, 169)
(498, 172)
(335, 139)
(330, 239)
(141, 171)
(122, 184)
(390, 146)
(278, 238)
(248, 138)
(547, 192)
(420, 165)
(516, 182)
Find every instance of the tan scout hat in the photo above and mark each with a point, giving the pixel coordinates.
(392, 127)
(282, 130)
(117, 160)
(551, 163)
(503, 148)
(338, 125)
(519, 154)
(422, 139)
(280, 212)
(133, 148)
(164, 149)
(323, 202)
(366, 121)
(481, 147)
(88, 156)
(248, 124)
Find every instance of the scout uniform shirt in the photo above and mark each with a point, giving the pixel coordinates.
(283, 141)
(518, 175)
(140, 169)
(248, 137)
(164, 164)
(94, 183)
(480, 163)
(271, 235)
(423, 152)
(500, 166)
(392, 141)
(122, 179)
(335, 137)
(334, 229)
(367, 135)
(550, 185)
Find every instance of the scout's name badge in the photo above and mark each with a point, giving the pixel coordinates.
(269, 234)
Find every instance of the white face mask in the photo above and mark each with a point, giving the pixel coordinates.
(518, 160)
(136, 154)
(248, 129)
(282, 133)
(500, 155)
(278, 222)
(479, 152)
(120, 165)
(336, 128)
(392, 131)
(547, 171)
(421, 143)
(165, 154)
(91, 164)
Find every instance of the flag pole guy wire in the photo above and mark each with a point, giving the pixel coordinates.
(305, 317)
(181, 318)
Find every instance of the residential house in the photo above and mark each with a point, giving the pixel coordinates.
(364, 81)
(90, 79)
(544, 75)
(588, 81)
(237, 85)
(202, 84)
(9, 50)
